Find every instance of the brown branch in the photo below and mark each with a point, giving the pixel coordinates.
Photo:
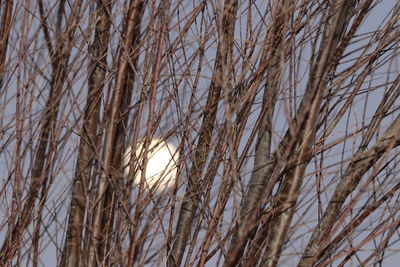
(4, 35)
(88, 139)
(193, 191)
(45, 147)
(274, 44)
(327, 250)
(339, 15)
(122, 88)
(361, 163)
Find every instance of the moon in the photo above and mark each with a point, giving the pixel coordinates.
(161, 165)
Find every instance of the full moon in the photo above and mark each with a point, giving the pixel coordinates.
(161, 165)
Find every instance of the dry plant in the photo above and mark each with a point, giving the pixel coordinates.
(285, 116)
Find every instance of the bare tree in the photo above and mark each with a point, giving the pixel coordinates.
(285, 116)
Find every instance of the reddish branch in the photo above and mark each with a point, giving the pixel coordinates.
(47, 137)
(115, 134)
(88, 136)
(193, 192)
(4, 35)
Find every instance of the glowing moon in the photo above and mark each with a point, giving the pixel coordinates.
(161, 165)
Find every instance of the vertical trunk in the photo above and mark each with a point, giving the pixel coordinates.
(118, 147)
(59, 62)
(87, 147)
(193, 191)
(46, 144)
(309, 105)
(103, 210)
(274, 61)
(39, 170)
(4, 34)
(285, 203)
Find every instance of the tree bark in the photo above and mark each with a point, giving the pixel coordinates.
(72, 255)
(103, 213)
(193, 190)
